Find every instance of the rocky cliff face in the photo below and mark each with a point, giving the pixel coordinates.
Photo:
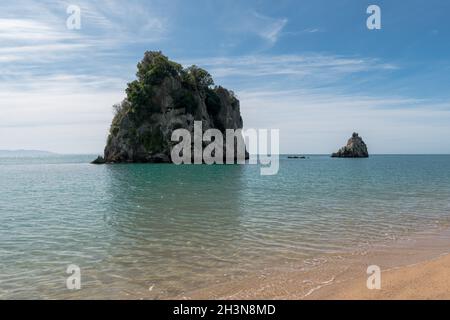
(355, 148)
(166, 97)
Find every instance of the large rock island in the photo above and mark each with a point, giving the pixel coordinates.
(166, 97)
(355, 148)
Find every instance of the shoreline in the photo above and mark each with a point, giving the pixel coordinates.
(415, 269)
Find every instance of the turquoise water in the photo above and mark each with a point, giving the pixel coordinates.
(163, 230)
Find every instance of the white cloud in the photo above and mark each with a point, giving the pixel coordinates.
(72, 119)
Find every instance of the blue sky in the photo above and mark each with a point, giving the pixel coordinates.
(309, 68)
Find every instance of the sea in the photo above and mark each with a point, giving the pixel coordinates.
(157, 231)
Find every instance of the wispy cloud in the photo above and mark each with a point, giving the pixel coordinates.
(35, 41)
(312, 30)
(269, 28)
(126, 23)
(266, 28)
(105, 24)
(304, 31)
(31, 31)
(317, 65)
(37, 48)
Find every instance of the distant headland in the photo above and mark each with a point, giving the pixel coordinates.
(25, 153)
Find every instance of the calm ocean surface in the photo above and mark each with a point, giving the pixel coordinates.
(162, 230)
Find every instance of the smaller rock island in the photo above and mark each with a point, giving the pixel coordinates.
(355, 148)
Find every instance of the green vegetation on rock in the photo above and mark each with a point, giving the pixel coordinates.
(165, 96)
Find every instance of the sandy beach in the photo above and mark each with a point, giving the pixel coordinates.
(426, 280)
